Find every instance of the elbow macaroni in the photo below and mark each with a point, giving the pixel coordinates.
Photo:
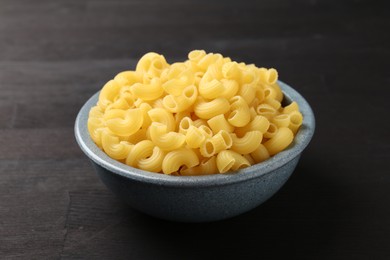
(206, 115)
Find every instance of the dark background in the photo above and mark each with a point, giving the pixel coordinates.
(55, 54)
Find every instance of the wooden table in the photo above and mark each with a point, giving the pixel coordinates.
(55, 54)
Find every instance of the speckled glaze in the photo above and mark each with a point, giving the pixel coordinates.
(198, 198)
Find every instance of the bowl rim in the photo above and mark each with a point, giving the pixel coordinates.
(301, 140)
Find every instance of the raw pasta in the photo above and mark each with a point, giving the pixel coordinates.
(205, 115)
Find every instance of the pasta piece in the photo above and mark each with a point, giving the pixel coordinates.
(269, 76)
(95, 127)
(108, 93)
(293, 106)
(124, 123)
(247, 92)
(151, 64)
(162, 116)
(266, 111)
(207, 110)
(248, 143)
(229, 160)
(167, 141)
(195, 137)
(176, 104)
(260, 154)
(115, 148)
(141, 150)
(185, 124)
(219, 123)
(210, 89)
(271, 131)
(259, 123)
(296, 120)
(196, 55)
(207, 166)
(150, 91)
(230, 70)
(179, 158)
(279, 141)
(240, 115)
(230, 88)
(154, 162)
(282, 120)
(127, 78)
(216, 144)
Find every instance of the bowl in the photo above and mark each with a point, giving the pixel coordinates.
(198, 198)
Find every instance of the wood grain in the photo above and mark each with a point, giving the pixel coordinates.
(55, 54)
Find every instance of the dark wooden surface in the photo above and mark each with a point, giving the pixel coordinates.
(55, 54)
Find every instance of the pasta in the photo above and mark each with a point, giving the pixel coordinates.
(205, 115)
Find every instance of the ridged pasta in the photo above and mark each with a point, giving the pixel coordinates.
(248, 143)
(229, 160)
(202, 116)
(179, 158)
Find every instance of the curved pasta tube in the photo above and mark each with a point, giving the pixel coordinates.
(217, 143)
(210, 89)
(161, 115)
(230, 70)
(279, 93)
(167, 141)
(219, 123)
(178, 158)
(240, 115)
(145, 108)
(138, 136)
(195, 137)
(206, 167)
(154, 162)
(146, 156)
(282, 120)
(199, 122)
(196, 55)
(293, 106)
(185, 125)
(230, 88)
(124, 122)
(229, 160)
(209, 59)
(248, 143)
(95, 127)
(115, 148)
(127, 78)
(273, 103)
(152, 64)
(269, 76)
(207, 110)
(271, 131)
(270, 93)
(108, 94)
(266, 110)
(177, 83)
(260, 154)
(141, 150)
(176, 104)
(125, 101)
(147, 92)
(247, 92)
(279, 141)
(96, 111)
(259, 123)
(296, 120)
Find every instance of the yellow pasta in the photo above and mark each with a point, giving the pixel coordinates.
(240, 115)
(202, 116)
(248, 143)
(219, 123)
(167, 141)
(183, 157)
(279, 141)
(228, 160)
(207, 110)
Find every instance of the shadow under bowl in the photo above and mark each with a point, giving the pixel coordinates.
(198, 198)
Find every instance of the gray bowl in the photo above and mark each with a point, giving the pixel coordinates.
(198, 198)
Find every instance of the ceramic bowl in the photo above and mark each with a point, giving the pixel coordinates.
(198, 198)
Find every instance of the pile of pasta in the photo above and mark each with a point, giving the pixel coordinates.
(205, 115)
